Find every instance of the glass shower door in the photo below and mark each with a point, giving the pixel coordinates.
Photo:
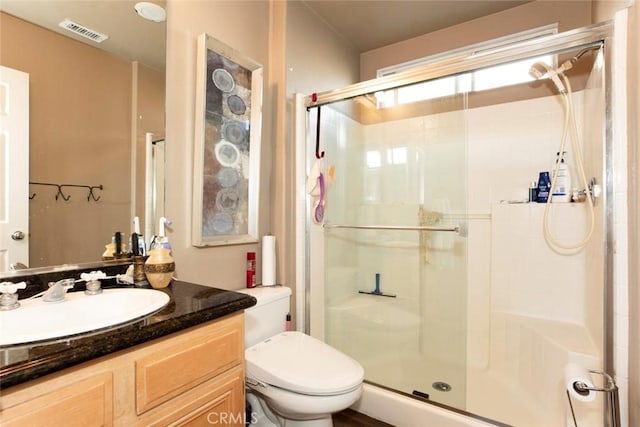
(394, 247)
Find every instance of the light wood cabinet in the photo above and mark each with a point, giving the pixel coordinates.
(219, 401)
(87, 402)
(191, 378)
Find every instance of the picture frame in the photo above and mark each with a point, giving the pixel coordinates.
(228, 132)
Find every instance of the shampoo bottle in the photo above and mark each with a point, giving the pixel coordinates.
(562, 182)
(544, 184)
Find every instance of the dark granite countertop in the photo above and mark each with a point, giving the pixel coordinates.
(189, 305)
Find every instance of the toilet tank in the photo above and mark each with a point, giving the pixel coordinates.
(268, 317)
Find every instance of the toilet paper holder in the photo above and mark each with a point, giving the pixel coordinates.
(611, 391)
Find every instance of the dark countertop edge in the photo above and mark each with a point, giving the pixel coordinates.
(114, 342)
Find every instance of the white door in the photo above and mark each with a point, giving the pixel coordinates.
(14, 168)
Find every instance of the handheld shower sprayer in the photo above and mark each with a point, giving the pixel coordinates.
(540, 70)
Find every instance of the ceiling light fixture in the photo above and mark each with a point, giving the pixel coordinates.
(151, 11)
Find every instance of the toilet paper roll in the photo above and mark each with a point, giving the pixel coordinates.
(575, 373)
(268, 260)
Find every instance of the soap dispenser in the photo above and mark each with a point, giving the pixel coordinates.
(160, 266)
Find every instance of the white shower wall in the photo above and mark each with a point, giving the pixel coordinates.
(508, 145)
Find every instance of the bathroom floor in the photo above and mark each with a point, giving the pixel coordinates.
(350, 418)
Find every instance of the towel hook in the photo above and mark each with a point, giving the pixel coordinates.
(60, 193)
(319, 155)
(91, 195)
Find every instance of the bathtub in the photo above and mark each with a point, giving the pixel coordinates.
(400, 410)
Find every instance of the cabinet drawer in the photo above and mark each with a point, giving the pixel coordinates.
(199, 357)
(219, 401)
(84, 403)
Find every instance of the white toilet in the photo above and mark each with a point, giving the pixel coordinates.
(292, 379)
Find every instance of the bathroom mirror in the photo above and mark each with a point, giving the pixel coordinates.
(90, 121)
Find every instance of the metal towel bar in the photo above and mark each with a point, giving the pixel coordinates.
(454, 229)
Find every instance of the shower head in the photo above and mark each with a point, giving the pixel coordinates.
(568, 64)
(540, 70)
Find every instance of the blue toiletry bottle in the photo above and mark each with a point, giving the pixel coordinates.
(544, 186)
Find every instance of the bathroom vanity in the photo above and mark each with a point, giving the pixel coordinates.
(181, 365)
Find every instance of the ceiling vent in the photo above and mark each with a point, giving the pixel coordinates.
(83, 31)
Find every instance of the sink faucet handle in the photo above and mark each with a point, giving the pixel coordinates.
(8, 295)
(93, 282)
(93, 275)
(11, 288)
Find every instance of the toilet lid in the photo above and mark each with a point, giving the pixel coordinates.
(300, 363)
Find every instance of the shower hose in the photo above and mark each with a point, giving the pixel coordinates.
(570, 127)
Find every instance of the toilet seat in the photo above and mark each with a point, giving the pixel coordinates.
(299, 363)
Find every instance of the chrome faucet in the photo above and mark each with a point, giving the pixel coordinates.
(57, 290)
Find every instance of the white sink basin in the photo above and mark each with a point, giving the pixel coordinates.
(37, 320)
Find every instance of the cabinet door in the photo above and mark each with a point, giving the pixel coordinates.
(172, 370)
(83, 404)
(219, 401)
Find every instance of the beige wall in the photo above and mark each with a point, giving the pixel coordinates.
(80, 121)
(243, 25)
(634, 230)
(317, 58)
(633, 105)
(604, 10)
(634, 216)
(568, 15)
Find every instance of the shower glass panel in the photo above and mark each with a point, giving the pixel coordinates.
(395, 268)
(436, 273)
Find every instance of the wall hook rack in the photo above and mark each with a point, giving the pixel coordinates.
(90, 196)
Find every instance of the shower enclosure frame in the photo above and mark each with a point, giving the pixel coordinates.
(598, 34)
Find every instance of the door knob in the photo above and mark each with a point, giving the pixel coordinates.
(17, 235)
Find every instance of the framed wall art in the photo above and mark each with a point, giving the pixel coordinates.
(227, 146)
